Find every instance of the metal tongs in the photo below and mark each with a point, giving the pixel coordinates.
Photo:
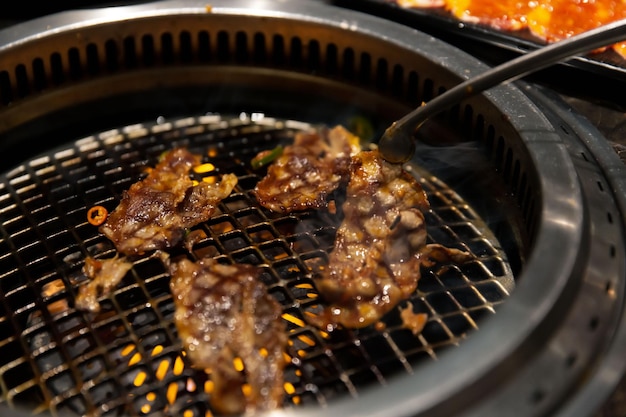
(397, 145)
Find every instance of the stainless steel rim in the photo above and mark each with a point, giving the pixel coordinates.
(546, 284)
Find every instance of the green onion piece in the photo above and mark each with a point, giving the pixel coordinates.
(266, 157)
(361, 127)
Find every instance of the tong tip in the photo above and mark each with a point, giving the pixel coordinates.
(396, 146)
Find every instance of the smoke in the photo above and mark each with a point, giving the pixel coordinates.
(463, 168)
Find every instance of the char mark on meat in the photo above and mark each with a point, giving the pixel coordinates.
(308, 171)
(379, 247)
(156, 212)
(224, 312)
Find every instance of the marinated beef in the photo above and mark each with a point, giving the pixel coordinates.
(224, 313)
(104, 275)
(308, 171)
(379, 247)
(156, 212)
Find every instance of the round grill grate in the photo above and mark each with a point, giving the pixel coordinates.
(127, 358)
(520, 167)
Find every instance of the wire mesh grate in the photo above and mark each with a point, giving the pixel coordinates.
(127, 358)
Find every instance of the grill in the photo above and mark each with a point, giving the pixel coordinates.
(530, 189)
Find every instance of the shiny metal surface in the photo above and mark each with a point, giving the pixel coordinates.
(396, 144)
(52, 65)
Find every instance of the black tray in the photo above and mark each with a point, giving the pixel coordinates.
(600, 77)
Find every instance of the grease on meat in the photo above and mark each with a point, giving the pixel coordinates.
(104, 275)
(156, 212)
(224, 312)
(415, 322)
(379, 247)
(308, 171)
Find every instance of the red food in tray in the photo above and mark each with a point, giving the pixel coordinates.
(547, 20)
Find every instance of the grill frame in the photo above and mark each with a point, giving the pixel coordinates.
(541, 145)
(232, 236)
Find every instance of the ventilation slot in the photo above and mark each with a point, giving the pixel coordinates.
(213, 48)
(349, 65)
(274, 50)
(259, 51)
